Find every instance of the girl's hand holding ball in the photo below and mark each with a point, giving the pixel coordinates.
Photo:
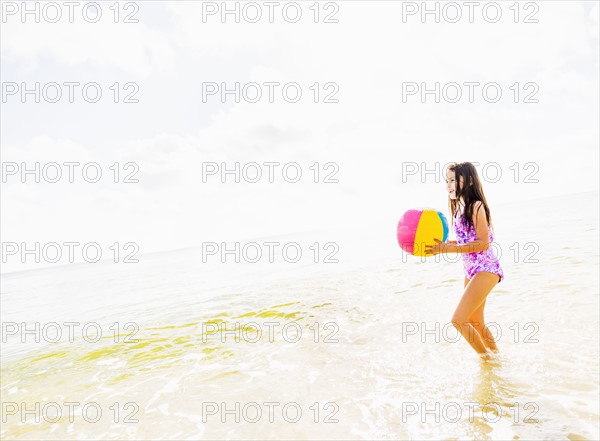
(439, 247)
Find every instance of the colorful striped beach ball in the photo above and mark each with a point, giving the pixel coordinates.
(418, 227)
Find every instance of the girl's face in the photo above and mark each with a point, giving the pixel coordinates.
(451, 184)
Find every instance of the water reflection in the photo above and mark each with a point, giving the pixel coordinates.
(494, 401)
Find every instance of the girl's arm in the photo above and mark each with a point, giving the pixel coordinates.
(482, 242)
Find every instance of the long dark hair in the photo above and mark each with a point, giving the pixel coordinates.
(471, 193)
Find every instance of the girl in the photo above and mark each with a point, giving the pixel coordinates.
(473, 227)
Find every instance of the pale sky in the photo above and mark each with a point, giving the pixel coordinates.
(370, 134)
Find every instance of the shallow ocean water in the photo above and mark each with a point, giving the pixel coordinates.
(360, 349)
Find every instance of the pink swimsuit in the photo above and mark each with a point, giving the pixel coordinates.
(478, 261)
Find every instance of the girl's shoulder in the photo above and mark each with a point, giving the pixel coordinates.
(476, 206)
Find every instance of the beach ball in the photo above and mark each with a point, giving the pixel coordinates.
(418, 227)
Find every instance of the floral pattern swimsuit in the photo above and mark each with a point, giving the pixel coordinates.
(478, 261)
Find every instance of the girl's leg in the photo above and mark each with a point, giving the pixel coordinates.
(478, 323)
(475, 293)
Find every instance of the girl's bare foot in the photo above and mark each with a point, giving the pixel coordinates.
(486, 355)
